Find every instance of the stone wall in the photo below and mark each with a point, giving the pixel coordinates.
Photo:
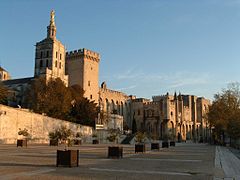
(11, 119)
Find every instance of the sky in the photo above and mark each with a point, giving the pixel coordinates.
(147, 47)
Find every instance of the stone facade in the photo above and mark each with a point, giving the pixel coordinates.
(4, 75)
(174, 117)
(39, 126)
(50, 55)
(82, 69)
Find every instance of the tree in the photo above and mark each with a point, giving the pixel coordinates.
(84, 112)
(56, 100)
(52, 98)
(224, 113)
(3, 94)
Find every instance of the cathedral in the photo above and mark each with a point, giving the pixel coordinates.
(177, 116)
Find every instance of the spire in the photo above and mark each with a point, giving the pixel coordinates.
(175, 96)
(51, 29)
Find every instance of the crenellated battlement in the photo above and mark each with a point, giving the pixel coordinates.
(103, 90)
(83, 53)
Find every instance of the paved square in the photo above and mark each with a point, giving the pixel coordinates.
(185, 161)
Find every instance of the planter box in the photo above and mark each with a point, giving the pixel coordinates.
(115, 152)
(67, 158)
(53, 142)
(77, 142)
(95, 141)
(22, 142)
(140, 148)
(165, 144)
(172, 143)
(154, 146)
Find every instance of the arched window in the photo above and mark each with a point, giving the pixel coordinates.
(55, 63)
(41, 63)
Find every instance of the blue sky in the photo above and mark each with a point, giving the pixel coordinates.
(147, 47)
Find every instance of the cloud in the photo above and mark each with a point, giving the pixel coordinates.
(126, 88)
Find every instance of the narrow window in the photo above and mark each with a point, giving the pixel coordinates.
(90, 96)
(41, 63)
(47, 54)
(56, 54)
(60, 65)
(89, 83)
(47, 63)
(60, 56)
(4, 76)
(55, 63)
(41, 54)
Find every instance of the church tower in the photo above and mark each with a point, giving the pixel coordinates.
(50, 55)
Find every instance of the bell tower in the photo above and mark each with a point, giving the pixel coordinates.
(51, 29)
(50, 55)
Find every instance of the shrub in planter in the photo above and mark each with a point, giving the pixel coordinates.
(69, 158)
(154, 143)
(95, 140)
(114, 151)
(62, 135)
(140, 139)
(155, 146)
(165, 143)
(140, 148)
(23, 140)
(172, 143)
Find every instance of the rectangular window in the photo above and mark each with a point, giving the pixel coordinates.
(90, 96)
(89, 83)
(60, 56)
(47, 53)
(56, 54)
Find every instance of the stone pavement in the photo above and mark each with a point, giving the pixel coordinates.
(186, 161)
(227, 164)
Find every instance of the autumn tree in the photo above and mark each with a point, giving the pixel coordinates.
(56, 100)
(224, 113)
(52, 98)
(84, 112)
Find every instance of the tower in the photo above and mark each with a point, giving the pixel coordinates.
(50, 55)
(82, 69)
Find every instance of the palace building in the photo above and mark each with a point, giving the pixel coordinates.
(175, 116)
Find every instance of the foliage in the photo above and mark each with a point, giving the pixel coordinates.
(113, 134)
(62, 134)
(140, 136)
(84, 112)
(224, 113)
(23, 132)
(52, 98)
(3, 94)
(56, 100)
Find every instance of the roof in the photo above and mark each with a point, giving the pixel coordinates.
(18, 81)
(1, 69)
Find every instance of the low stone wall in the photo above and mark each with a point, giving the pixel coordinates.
(39, 126)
